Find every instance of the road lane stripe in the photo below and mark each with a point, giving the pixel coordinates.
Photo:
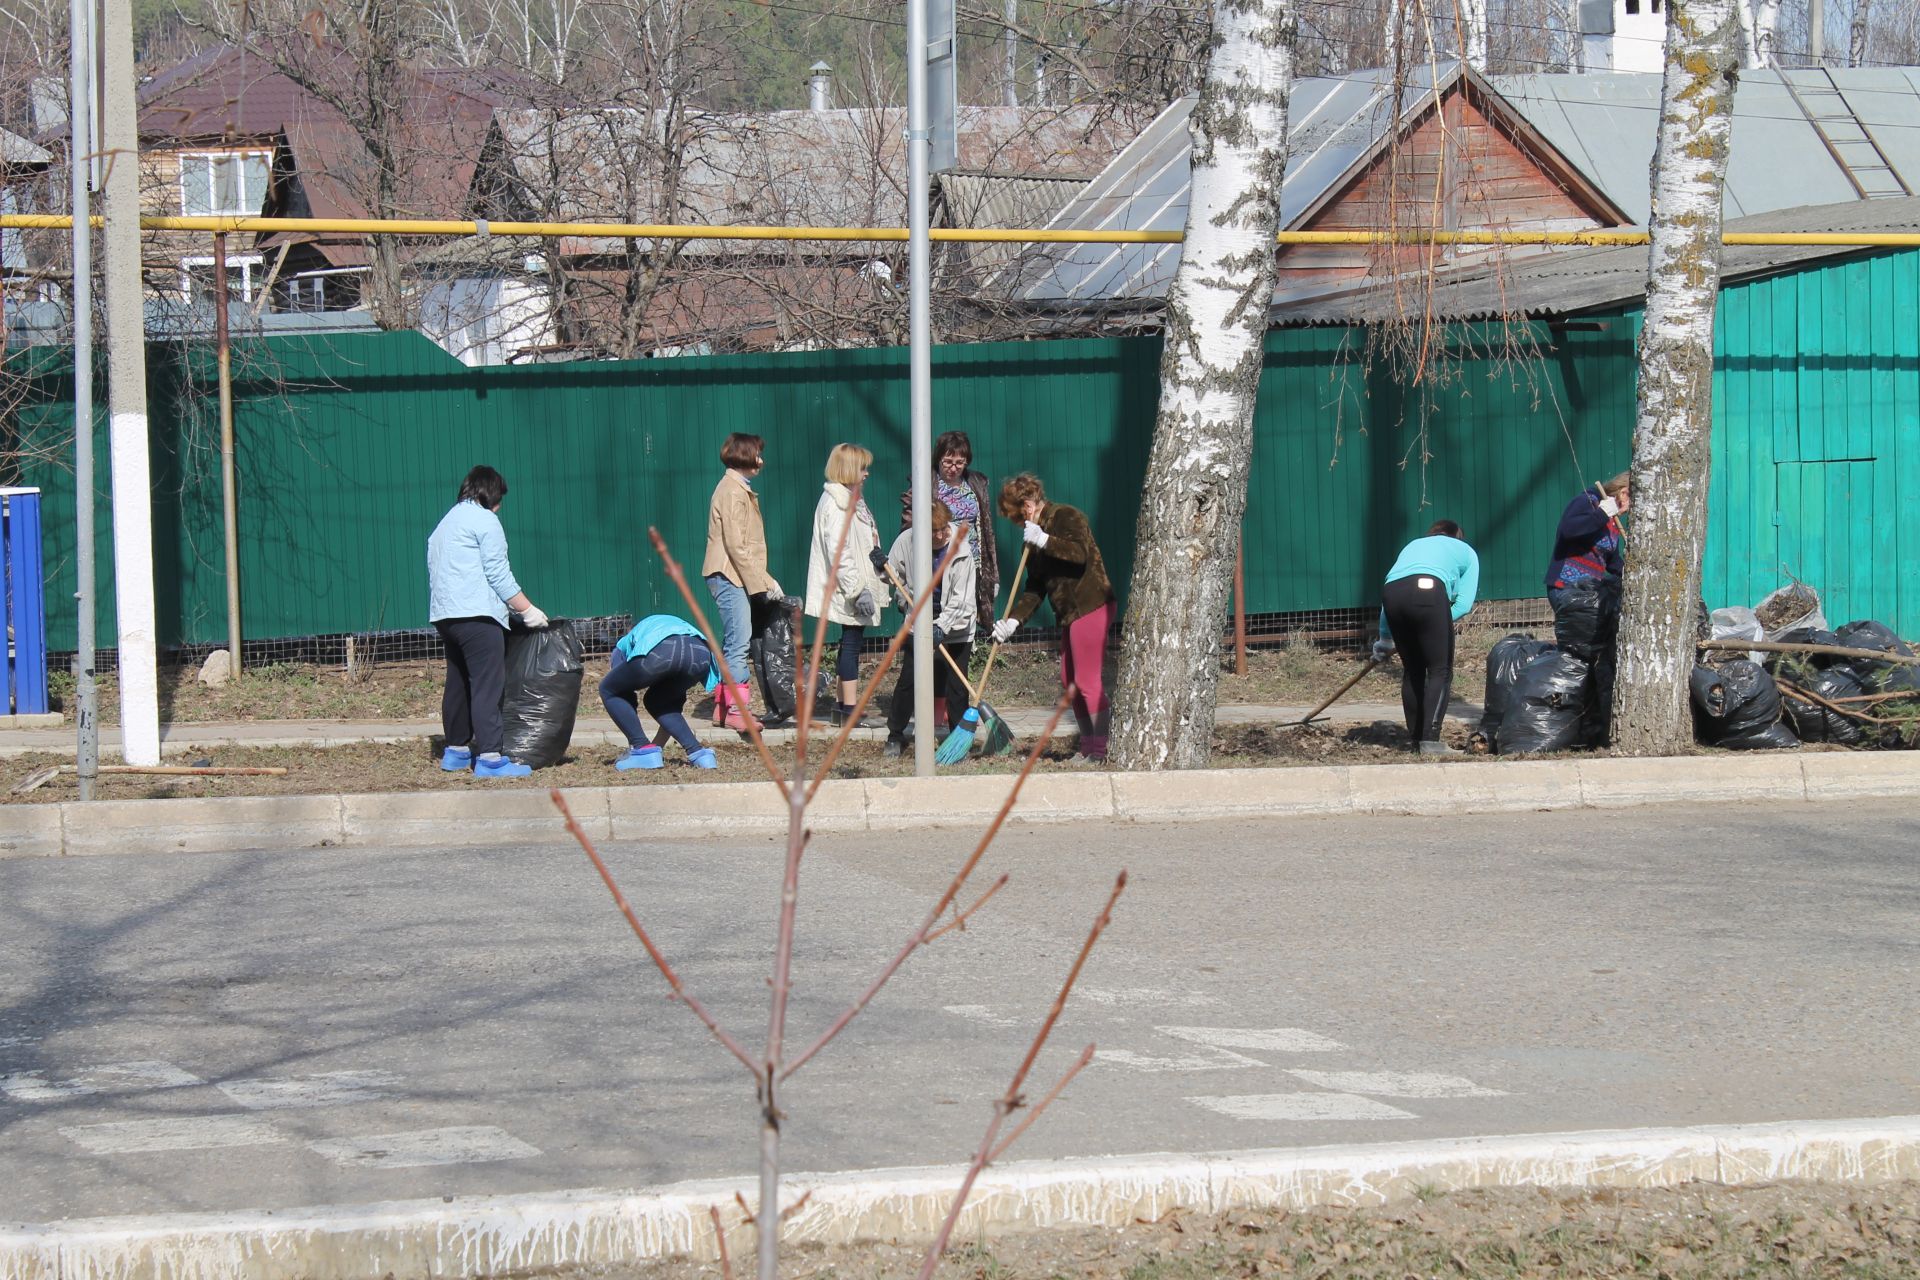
(327, 1089)
(1302, 1106)
(1397, 1084)
(467, 1144)
(175, 1133)
(1271, 1040)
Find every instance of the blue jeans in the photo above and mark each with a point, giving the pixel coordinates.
(736, 624)
(657, 680)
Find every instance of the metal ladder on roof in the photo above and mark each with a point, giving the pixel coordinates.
(1846, 139)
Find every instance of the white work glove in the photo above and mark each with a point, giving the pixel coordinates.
(533, 617)
(1035, 536)
(1006, 626)
(773, 588)
(863, 605)
(1382, 649)
(1610, 507)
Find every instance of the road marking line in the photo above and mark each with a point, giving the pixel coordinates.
(1212, 1060)
(1140, 995)
(113, 1077)
(1274, 1040)
(181, 1133)
(982, 1014)
(327, 1089)
(1302, 1106)
(1398, 1084)
(474, 1144)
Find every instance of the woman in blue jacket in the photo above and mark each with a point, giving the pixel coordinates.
(1430, 587)
(653, 667)
(470, 588)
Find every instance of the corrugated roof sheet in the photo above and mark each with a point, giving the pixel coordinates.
(1333, 124)
(1568, 282)
(1606, 124)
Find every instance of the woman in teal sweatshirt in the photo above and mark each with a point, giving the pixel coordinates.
(1430, 587)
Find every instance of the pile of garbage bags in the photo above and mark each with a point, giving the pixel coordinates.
(1543, 697)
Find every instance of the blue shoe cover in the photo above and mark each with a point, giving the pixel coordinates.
(648, 757)
(456, 759)
(703, 758)
(500, 767)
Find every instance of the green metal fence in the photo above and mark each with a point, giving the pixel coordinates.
(351, 447)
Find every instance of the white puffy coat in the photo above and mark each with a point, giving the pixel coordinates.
(856, 563)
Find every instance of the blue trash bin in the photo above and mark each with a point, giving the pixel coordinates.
(26, 647)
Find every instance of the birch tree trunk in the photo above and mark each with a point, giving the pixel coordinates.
(1216, 324)
(1766, 32)
(1671, 431)
(1473, 41)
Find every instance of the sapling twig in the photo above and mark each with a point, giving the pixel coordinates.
(720, 1239)
(713, 647)
(1013, 1100)
(1033, 1112)
(659, 960)
(960, 918)
(920, 936)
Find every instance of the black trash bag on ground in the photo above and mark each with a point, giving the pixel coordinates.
(1545, 709)
(1503, 668)
(774, 655)
(1587, 617)
(543, 693)
(1879, 677)
(1738, 707)
(1818, 724)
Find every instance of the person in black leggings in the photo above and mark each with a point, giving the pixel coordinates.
(1430, 587)
(654, 665)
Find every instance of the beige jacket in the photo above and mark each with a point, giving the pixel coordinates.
(736, 538)
(838, 594)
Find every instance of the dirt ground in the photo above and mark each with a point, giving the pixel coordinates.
(1697, 1232)
(1027, 676)
(412, 767)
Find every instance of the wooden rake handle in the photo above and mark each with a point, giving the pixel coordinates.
(1013, 593)
(1338, 694)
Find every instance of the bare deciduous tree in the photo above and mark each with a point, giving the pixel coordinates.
(1673, 426)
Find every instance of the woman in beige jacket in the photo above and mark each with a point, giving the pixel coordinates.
(736, 569)
(849, 592)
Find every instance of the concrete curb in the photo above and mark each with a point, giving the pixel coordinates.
(490, 1235)
(682, 810)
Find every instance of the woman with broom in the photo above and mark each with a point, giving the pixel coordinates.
(1064, 568)
(1431, 586)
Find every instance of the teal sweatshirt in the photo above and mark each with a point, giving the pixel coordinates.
(1449, 559)
(651, 630)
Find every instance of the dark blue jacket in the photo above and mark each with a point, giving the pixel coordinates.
(1587, 543)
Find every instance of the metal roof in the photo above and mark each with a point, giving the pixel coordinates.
(1333, 124)
(1568, 282)
(1605, 124)
(17, 152)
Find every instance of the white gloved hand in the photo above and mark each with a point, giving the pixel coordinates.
(863, 604)
(773, 588)
(533, 617)
(1610, 507)
(1035, 536)
(1006, 626)
(1382, 649)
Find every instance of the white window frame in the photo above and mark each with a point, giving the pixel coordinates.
(213, 159)
(247, 264)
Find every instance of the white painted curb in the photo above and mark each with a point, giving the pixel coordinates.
(490, 1235)
(679, 810)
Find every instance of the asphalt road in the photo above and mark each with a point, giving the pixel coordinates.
(267, 1030)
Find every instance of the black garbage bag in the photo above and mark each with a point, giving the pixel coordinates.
(774, 653)
(1503, 668)
(1549, 698)
(1818, 724)
(1738, 706)
(543, 693)
(1879, 677)
(1586, 617)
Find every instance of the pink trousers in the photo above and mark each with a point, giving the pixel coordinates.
(1081, 655)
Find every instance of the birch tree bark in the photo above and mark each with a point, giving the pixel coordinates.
(1216, 324)
(1766, 32)
(1671, 431)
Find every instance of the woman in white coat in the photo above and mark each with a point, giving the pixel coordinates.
(851, 592)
